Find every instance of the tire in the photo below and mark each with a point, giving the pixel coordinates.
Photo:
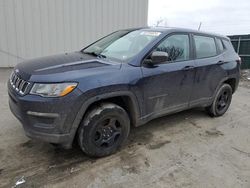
(222, 101)
(103, 130)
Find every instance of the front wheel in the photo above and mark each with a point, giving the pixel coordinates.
(221, 101)
(103, 130)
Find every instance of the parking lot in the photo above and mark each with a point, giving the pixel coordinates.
(187, 149)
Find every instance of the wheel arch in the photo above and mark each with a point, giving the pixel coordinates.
(231, 82)
(125, 99)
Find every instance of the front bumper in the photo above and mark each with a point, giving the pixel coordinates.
(46, 119)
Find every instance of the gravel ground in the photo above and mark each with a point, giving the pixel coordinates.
(245, 78)
(187, 149)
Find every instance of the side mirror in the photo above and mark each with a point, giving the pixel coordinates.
(159, 57)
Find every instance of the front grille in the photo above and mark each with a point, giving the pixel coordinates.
(20, 85)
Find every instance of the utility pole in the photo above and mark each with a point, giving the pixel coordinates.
(199, 26)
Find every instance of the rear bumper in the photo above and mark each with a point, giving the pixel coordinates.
(46, 119)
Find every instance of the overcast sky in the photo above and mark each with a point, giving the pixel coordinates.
(226, 17)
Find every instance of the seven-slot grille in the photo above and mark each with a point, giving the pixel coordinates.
(19, 84)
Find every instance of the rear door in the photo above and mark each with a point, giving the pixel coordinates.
(208, 72)
(167, 86)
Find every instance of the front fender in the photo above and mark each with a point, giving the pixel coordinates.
(99, 97)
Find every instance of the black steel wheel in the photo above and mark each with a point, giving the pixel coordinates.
(108, 132)
(221, 101)
(103, 130)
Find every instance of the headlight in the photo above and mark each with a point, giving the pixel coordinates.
(52, 90)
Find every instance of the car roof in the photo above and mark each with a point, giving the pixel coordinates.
(167, 30)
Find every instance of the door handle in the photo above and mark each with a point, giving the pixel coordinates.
(220, 62)
(188, 68)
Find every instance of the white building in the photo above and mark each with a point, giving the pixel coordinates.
(33, 28)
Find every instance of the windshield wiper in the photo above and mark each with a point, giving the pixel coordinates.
(101, 56)
(95, 54)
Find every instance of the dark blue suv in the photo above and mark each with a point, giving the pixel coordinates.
(124, 79)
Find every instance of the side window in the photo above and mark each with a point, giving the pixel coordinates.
(219, 45)
(177, 47)
(205, 46)
(228, 45)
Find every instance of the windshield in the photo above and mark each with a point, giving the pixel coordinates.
(122, 45)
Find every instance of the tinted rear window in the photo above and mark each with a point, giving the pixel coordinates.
(205, 46)
(228, 45)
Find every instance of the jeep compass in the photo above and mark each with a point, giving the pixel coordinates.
(125, 79)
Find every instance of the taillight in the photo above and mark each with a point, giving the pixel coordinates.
(239, 60)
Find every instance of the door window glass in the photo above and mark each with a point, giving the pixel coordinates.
(205, 46)
(177, 47)
(220, 45)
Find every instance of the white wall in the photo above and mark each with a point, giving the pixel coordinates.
(33, 28)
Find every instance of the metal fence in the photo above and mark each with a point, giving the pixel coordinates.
(34, 28)
(241, 45)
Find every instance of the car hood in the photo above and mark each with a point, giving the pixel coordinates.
(62, 65)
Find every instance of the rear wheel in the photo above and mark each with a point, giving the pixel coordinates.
(103, 130)
(221, 101)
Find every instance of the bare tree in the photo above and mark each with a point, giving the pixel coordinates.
(158, 22)
(161, 22)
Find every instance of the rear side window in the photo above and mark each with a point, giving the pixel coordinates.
(205, 46)
(177, 47)
(228, 45)
(219, 45)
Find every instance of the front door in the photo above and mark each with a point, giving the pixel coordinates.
(167, 86)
